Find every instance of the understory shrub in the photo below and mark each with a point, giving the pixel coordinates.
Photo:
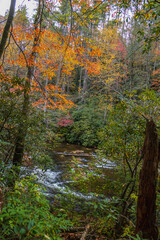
(26, 214)
(86, 121)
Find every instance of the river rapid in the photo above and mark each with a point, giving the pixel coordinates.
(68, 162)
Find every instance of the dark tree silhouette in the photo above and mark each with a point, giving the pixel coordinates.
(146, 205)
(7, 27)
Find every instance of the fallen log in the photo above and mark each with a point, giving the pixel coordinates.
(73, 154)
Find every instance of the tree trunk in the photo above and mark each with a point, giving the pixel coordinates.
(23, 126)
(7, 27)
(22, 131)
(146, 205)
(85, 82)
(80, 82)
(1, 200)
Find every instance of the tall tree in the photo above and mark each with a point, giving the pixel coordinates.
(146, 205)
(22, 131)
(7, 27)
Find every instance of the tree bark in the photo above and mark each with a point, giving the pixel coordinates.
(1, 200)
(7, 27)
(146, 205)
(22, 131)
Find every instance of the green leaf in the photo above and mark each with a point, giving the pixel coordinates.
(22, 231)
(30, 224)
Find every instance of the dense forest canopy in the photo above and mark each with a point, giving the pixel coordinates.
(86, 73)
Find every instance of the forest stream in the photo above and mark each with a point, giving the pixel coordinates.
(66, 159)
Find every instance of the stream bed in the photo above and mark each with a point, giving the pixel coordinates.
(68, 162)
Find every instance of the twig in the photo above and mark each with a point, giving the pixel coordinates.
(25, 58)
(1, 200)
(83, 237)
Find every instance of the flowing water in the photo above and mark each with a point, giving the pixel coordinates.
(68, 158)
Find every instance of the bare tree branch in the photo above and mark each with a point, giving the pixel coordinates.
(7, 27)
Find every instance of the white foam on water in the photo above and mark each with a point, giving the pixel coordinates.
(52, 181)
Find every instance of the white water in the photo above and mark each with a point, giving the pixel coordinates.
(52, 179)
